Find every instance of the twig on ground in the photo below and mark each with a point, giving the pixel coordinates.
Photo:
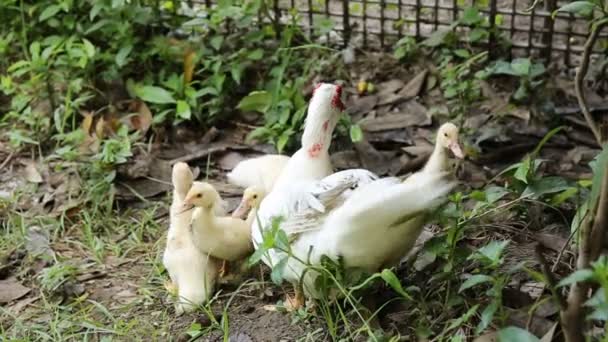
(8, 159)
(552, 283)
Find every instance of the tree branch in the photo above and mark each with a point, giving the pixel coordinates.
(593, 227)
(580, 76)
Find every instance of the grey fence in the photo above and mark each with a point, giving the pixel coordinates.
(372, 24)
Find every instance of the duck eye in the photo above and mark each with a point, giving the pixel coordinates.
(255, 196)
(445, 134)
(199, 195)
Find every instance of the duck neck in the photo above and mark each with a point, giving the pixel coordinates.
(252, 216)
(438, 161)
(318, 130)
(205, 217)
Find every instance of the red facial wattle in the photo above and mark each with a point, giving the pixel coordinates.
(315, 150)
(336, 100)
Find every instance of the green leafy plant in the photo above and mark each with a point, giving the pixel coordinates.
(460, 82)
(529, 75)
(405, 48)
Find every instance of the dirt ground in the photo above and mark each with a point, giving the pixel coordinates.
(119, 292)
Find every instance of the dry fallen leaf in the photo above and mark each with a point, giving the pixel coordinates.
(99, 128)
(11, 289)
(31, 172)
(489, 337)
(413, 87)
(548, 337)
(142, 119)
(87, 122)
(189, 66)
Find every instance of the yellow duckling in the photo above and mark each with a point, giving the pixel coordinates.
(224, 237)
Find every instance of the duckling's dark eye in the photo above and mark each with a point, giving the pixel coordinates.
(255, 196)
(445, 134)
(199, 195)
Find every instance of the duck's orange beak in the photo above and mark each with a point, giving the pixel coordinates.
(243, 209)
(455, 148)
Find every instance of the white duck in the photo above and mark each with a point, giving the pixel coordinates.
(223, 237)
(446, 139)
(373, 226)
(311, 161)
(261, 172)
(193, 274)
(252, 197)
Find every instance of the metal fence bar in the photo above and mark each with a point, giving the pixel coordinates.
(382, 22)
(346, 22)
(418, 7)
(531, 30)
(492, 37)
(512, 26)
(310, 20)
(568, 39)
(365, 23)
(549, 26)
(382, 19)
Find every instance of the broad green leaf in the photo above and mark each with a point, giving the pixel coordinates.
(277, 271)
(391, 279)
(515, 334)
(123, 54)
(503, 68)
(563, 196)
(323, 25)
(236, 71)
(282, 141)
(463, 53)
(256, 256)
(493, 250)
(523, 170)
(521, 94)
(582, 8)
(183, 110)
(438, 37)
(216, 42)
(521, 66)
(576, 277)
(495, 193)
(282, 241)
(475, 280)
(486, 317)
(471, 16)
(356, 134)
(258, 101)
(35, 50)
(464, 318)
(95, 11)
(256, 55)
(154, 94)
(88, 47)
(49, 12)
(194, 329)
(543, 186)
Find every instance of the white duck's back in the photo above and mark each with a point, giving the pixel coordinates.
(261, 172)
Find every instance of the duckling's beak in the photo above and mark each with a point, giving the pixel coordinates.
(243, 209)
(455, 148)
(186, 205)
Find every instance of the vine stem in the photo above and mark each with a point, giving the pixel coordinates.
(580, 76)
